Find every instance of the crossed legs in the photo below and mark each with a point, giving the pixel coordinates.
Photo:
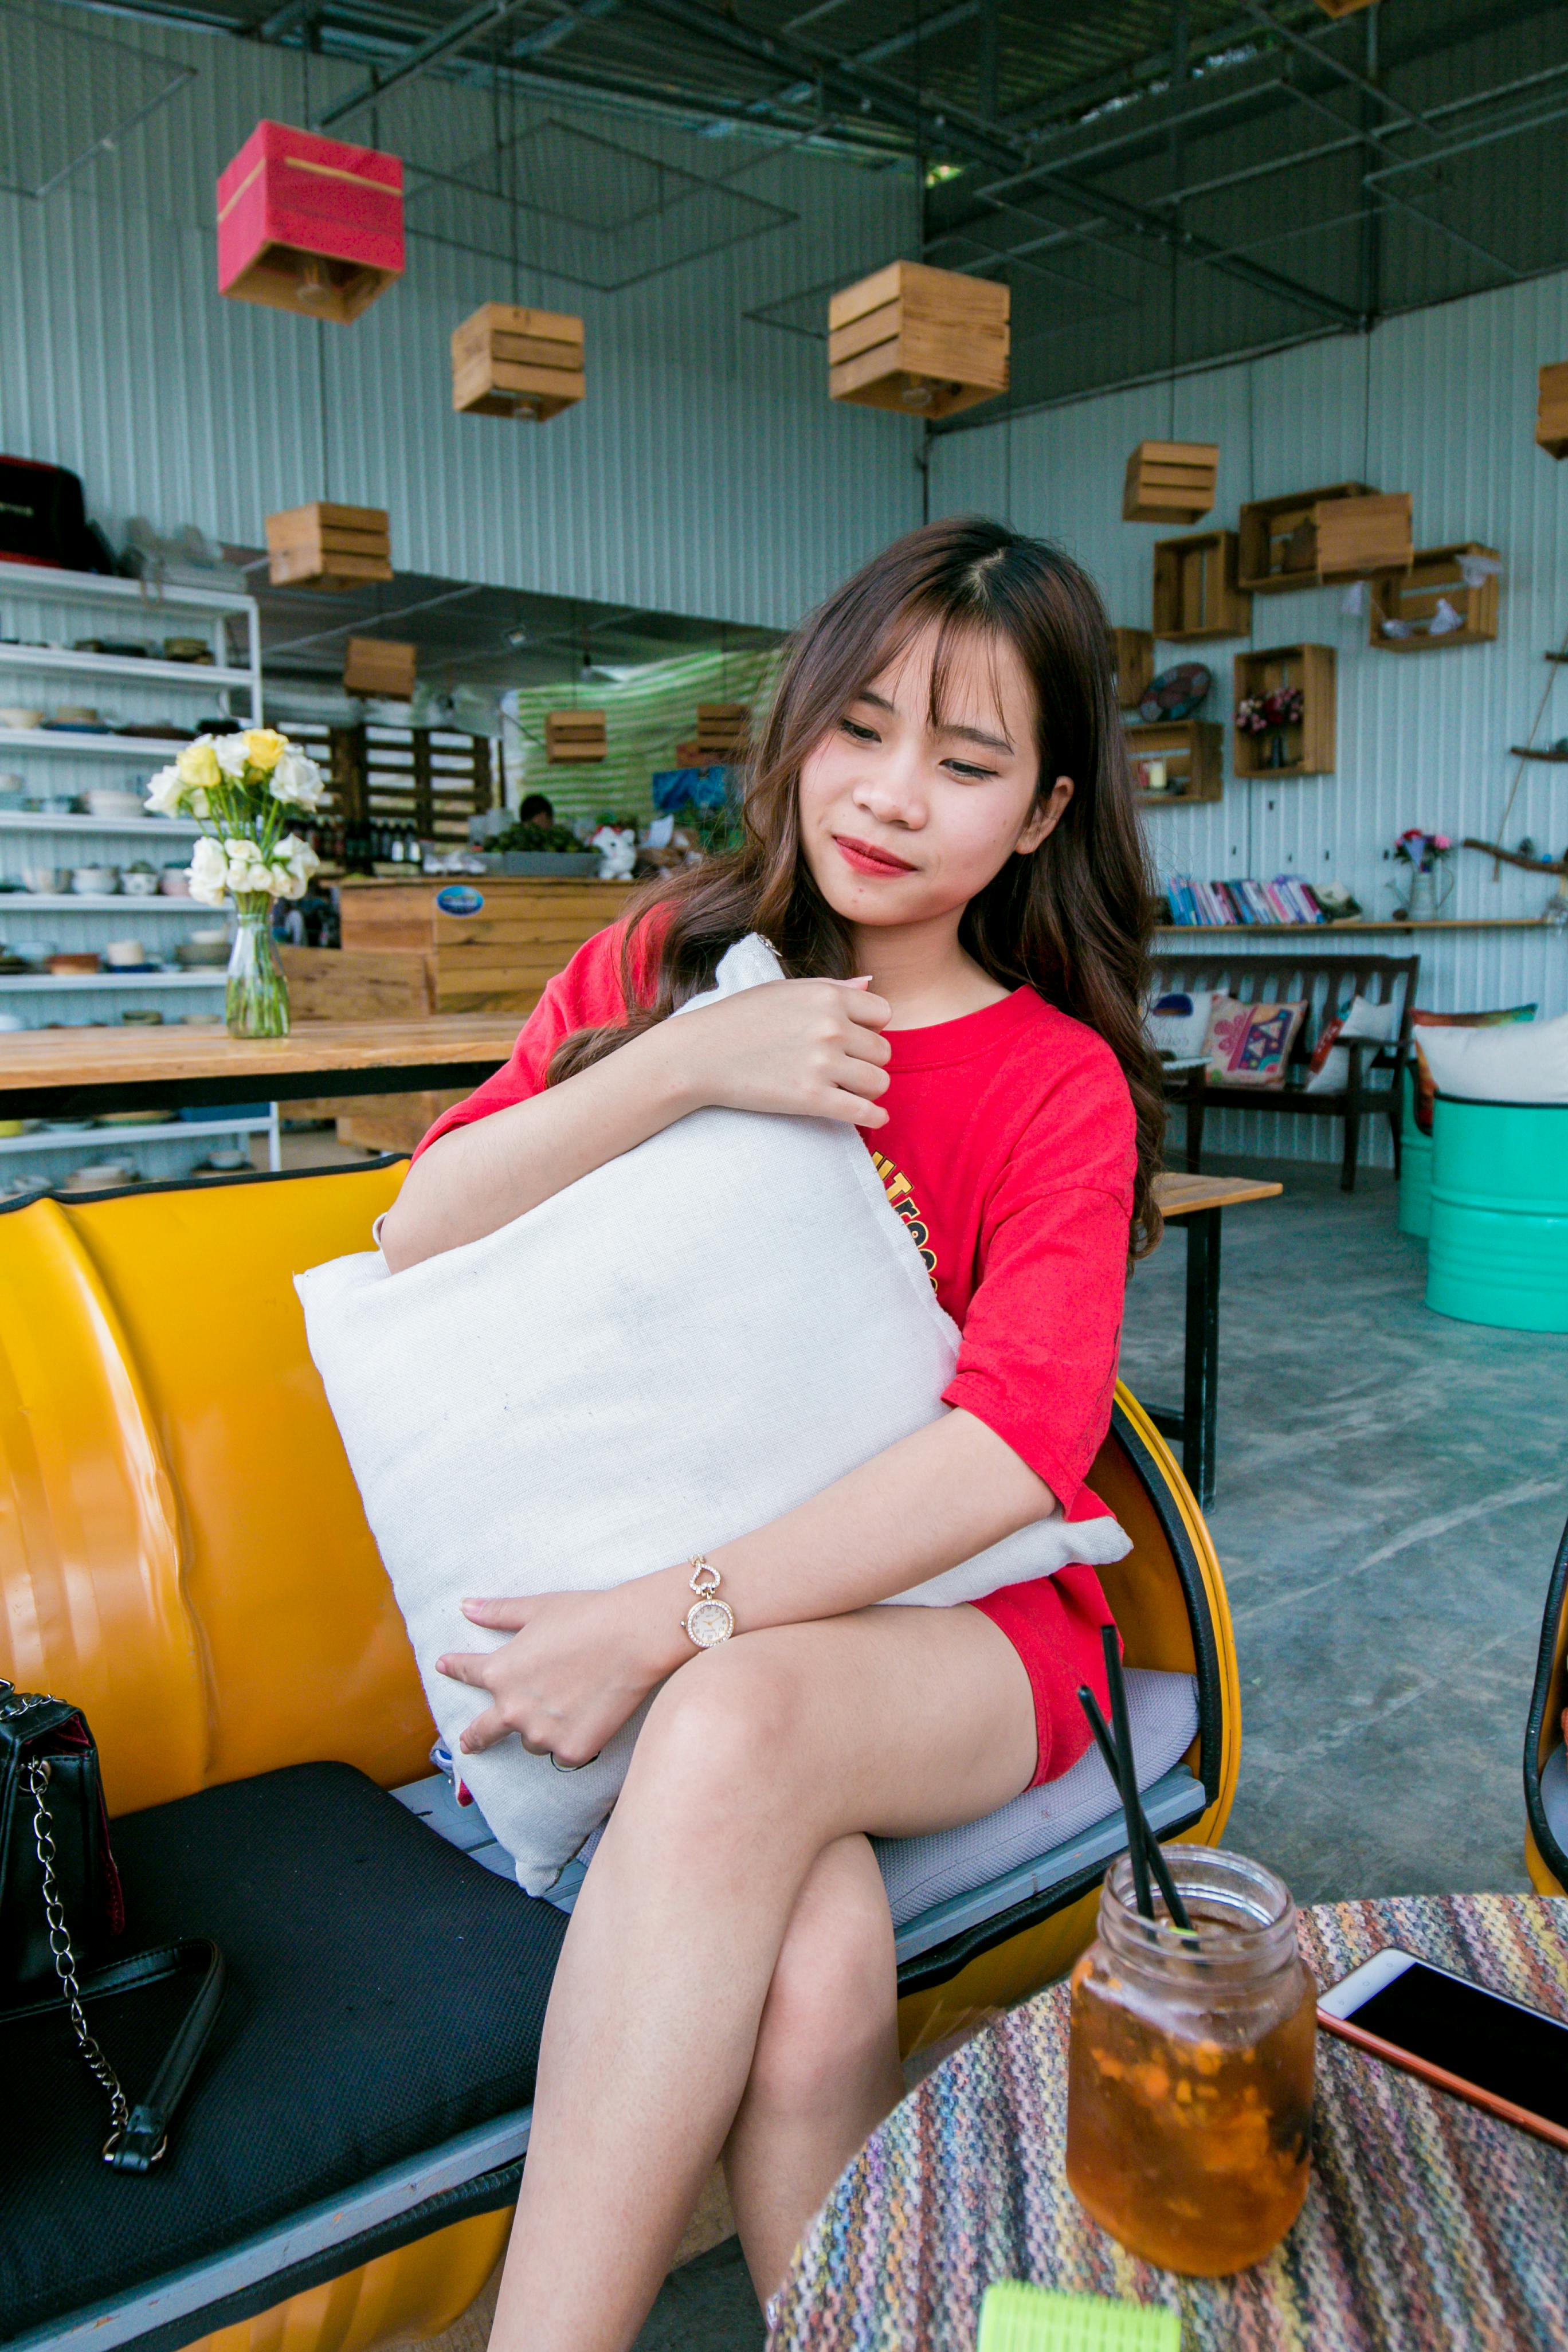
(727, 1985)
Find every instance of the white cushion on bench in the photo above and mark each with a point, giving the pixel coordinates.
(676, 1349)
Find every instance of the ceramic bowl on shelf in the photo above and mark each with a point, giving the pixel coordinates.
(174, 882)
(60, 965)
(139, 882)
(74, 714)
(124, 955)
(18, 719)
(95, 881)
(136, 1118)
(111, 807)
(199, 954)
(65, 1126)
(35, 952)
(45, 881)
(12, 788)
(100, 1176)
(142, 1020)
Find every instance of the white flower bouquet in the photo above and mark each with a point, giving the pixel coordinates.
(245, 790)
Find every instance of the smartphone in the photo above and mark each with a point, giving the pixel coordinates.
(1502, 2056)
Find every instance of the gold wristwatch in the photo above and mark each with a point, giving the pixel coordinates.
(708, 1620)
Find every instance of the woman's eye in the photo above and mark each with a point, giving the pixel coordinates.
(859, 734)
(967, 773)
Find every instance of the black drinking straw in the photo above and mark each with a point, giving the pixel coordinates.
(1143, 1847)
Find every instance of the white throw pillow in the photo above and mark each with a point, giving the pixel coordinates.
(1378, 1024)
(1177, 1024)
(1517, 1061)
(674, 1350)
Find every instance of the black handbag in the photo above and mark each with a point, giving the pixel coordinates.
(61, 1905)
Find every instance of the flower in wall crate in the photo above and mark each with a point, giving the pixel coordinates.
(1426, 883)
(244, 791)
(1269, 714)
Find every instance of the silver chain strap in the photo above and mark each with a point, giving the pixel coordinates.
(37, 1774)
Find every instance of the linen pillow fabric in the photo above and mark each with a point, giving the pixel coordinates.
(1331, 1068)
(677, 1349)
(1514, 1062)
(1425, 1086)
(1177, 1024)
(1250, 1045)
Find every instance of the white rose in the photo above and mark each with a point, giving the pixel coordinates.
(200, 805)
(232, 751)
(284, 882)
(208, 872)
(166, 792)
(298, 780)
(298, 856)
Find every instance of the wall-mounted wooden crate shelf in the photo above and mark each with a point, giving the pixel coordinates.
(1308, 747)
(1552, 410)
(1196, 591)
(1133, 665)
(1412, 597)
(1346, 531)
(723, 731)
(573, 737)
(1189, 751)
(1170, 481)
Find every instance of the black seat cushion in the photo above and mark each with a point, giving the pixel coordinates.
(385, 1994)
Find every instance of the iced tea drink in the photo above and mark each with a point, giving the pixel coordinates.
(1189, 2068)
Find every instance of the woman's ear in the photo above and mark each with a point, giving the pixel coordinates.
(1048, 815)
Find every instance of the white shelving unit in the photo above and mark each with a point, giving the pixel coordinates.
(41, 613)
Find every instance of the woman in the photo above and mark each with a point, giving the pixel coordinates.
(940, 844)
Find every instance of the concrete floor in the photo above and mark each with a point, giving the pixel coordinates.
(1391, 1489)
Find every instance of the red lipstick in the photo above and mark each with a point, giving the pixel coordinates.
(865, 857)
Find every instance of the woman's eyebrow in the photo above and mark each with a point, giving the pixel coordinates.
(968, 734)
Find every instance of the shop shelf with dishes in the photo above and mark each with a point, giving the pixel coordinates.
(1196, 595)
(1176, 760)
(72, 800)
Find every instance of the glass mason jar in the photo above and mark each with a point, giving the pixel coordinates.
(256, 1001)
(1189, 2068)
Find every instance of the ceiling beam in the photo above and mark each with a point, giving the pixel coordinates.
(855, 85)
(472, 25)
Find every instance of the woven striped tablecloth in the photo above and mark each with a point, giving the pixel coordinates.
(1428, 2226)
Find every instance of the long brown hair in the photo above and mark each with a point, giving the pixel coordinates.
(1072, 921)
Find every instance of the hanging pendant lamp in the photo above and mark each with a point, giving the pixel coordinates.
(309, 224)
(508, 361)
(1170, 481)
(923, 342)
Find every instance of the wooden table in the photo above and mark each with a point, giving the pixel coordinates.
(1428, 2226)
(76, 1072)
(1198, 1202)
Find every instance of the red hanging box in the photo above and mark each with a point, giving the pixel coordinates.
(308, 223)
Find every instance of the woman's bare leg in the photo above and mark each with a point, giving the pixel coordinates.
(754, 1759)
(824, 2071)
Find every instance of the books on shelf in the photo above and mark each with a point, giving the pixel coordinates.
(1216, 905)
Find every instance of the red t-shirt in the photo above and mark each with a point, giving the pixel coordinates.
(1009, 1154)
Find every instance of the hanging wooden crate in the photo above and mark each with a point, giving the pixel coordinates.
(1358, 538)
(925, 341)
(307, 224)
(377, 666)
(512, 363)
(1409, 600)
(1307, 747)
(1133, 665)
(1309, 538)
(1552, 410)
(1196, 591)
(575, 737)
(1183, 753)
(1170, 481)
(1337, 8)
(723, 730)
(328, 546)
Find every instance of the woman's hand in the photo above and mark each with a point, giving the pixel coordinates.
(810, 1047)
(578, 1665)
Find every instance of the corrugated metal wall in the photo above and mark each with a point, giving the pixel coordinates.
(707, 471)
(1441, 403)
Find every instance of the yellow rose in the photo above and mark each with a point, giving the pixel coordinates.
(197, 764)
(264, 747)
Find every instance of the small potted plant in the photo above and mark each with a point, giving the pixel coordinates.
(1269, 714)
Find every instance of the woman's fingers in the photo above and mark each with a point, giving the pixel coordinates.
(506, 1616)
(870, 1012)
(483, 1732)
(853, 1110)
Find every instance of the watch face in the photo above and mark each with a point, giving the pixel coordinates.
(709, 1622)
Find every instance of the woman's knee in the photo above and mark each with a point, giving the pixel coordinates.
(722, 1727)
(831, 2008)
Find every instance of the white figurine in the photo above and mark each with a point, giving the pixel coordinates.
(618, 848)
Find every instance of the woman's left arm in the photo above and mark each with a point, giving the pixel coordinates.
(581, 1662)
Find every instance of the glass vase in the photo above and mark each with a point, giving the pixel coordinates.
(256, 1002)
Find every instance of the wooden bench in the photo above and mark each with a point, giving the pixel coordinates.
(1328, 983)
